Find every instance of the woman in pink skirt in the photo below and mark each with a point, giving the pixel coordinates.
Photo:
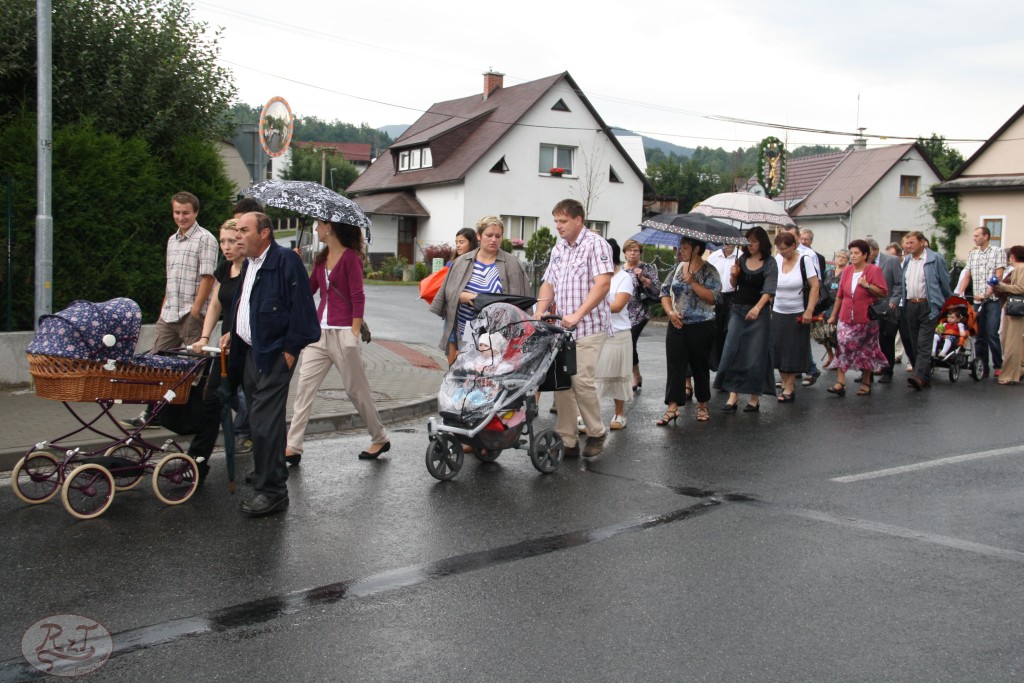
(861, 285)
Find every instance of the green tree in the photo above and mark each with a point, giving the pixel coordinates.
(138, 102)
(945, 208)
(540, 244)
(811, 150)
(308, 164)
(136, 67)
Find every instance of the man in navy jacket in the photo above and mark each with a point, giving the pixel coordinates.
(274, 320)
(925, 290)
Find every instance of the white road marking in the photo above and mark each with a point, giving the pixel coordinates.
(1015, 450)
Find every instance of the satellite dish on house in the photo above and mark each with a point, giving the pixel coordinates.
(276, 125)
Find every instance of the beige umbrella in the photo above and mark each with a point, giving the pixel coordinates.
(746, 208)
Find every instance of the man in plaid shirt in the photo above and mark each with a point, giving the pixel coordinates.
(575, 284)
(985, 261)
(191, 259)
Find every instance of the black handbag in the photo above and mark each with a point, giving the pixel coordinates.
(562, 369)
(1014, 305)
(826, 299)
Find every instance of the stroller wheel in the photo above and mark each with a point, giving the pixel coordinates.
(977, 369)
(444, 458)
(127, 476)
(88, 491)
(954, 372)
(175, 478)
(546, 451)
(486, 454)
(36, 477)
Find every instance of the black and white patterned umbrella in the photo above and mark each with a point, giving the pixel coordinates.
(697, 227)
(311, 199)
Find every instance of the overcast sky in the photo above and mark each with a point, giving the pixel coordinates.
(653, 66)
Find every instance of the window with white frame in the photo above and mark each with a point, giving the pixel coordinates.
(556, 156)
(519, 227)
(412, 159)
(600, 227)
(995, 229)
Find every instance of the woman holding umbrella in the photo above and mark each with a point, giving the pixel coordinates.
(338, 277)
(690, 295)
(746, 366)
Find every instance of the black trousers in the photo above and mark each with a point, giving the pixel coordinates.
(635, 334)
(689, 347)
(921, 326)
(266, 395)
(206, 438)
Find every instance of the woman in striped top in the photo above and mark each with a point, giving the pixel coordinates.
(487, 269)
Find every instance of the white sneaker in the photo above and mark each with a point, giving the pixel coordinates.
(582, 428)
(910, 367)
(618, 422)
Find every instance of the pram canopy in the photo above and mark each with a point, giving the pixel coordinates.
(502, 343)
(970, 314)
(78, 331)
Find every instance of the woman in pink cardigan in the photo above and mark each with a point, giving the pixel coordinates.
(861, 285)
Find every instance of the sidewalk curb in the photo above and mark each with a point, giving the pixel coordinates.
(320, 424)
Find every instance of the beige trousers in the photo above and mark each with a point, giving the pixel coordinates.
(170, 336)
(582, 399)
(336, 348)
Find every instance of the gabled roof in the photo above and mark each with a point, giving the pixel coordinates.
(851, 179)
(462, 131)
(351, 151)
(988, 143)
(392, 203)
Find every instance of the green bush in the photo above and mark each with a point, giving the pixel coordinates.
(506, 245)
(392, 267)
(540, 245)
(420, 271)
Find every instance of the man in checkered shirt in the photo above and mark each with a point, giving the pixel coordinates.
(191, 259)
(575, 284)
(985, 261)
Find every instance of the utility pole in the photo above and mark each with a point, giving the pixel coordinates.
(44, 176)
(323, 167)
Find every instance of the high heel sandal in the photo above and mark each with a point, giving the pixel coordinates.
(839, 389)
(669, 416)
(702, 412)
(865, 389)
(730, 407)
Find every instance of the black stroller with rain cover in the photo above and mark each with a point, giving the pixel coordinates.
(487, 399)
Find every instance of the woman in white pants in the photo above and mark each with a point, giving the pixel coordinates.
(338, 277)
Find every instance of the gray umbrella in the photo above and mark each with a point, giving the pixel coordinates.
(310, 199)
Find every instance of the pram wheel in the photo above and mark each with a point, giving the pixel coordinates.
(954, 371)
(486, 454)
(126, 478)
(546, 451)
(88, 491)
(977, 369)
(36, 477)
(175, 478)
(444, 458)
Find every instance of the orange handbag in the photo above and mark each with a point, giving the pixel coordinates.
(431, 284)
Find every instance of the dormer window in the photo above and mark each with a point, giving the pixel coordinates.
(414, 159)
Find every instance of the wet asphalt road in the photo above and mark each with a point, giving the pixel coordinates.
(723, 551)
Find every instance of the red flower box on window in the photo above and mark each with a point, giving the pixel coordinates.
(557, 171)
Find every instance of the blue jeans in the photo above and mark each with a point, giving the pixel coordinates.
(988, 335)
(241, 416)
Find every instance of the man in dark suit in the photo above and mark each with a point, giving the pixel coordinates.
(888, 327)
(274, 320)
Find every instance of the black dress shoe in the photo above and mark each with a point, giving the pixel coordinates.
(886, 378)
(730, 407)
(367, 455)
(752, 408)
(294, 459)
(262, 504)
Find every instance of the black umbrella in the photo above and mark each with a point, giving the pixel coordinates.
(224, 393)
(697, 227)
(310, 199)
(658, 238)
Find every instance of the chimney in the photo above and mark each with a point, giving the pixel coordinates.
(861, 143)
(492, 81)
